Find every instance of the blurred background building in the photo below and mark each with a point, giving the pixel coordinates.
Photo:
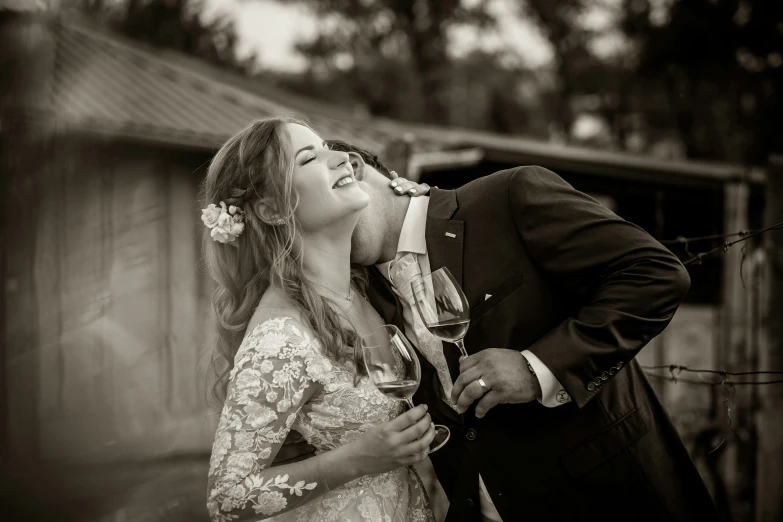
(668, 112)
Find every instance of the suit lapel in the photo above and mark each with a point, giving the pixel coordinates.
(444, 235)
(444, 245)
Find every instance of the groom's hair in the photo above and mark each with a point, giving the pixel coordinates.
(368, 157)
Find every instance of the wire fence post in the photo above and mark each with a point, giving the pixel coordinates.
(731, 346)
(733, 302)
(769, 501)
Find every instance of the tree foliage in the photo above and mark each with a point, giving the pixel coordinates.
(171, 24)
(720, 65)
(392, 53)
(699, 76)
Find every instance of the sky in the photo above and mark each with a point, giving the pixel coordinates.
(270, 28)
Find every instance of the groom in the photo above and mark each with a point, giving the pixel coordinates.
(551, 418)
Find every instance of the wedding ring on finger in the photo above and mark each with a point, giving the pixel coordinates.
(483, 385)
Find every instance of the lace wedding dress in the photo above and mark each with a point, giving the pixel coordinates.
(281, 381)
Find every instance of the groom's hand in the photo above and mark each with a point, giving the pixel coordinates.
(506, 375)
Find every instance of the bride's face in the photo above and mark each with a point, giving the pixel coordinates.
(324, 181)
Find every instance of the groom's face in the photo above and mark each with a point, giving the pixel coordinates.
(375, 222)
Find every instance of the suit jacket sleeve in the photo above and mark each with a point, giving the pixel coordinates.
(625, 285)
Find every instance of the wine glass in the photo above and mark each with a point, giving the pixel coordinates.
(442, 306)
(394, 369)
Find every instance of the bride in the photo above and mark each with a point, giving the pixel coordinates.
(281, 211)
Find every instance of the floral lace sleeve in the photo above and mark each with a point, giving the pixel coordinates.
(276, 369)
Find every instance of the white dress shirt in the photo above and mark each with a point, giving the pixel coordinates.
(413, 239)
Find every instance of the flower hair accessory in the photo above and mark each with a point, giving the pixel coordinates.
(226, 223)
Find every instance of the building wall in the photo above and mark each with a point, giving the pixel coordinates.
(105, 316)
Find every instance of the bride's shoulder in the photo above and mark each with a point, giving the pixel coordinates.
(287, 322)
(277, 329)
(281, 340)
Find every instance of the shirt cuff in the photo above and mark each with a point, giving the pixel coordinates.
(552, 392)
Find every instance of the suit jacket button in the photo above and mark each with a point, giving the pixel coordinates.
(612, 371)
(471, 503)
(604, 376)
(590, 386)
(619, 365)
(471, 434)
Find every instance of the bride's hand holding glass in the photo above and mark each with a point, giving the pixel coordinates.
(400, 442)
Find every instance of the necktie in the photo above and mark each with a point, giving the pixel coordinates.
(404, 269)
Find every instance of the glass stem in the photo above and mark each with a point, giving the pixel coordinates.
(409, 403)
(461, 345)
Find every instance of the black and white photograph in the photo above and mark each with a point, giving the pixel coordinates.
(391, 260)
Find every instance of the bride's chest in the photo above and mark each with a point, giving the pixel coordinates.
(349, 403)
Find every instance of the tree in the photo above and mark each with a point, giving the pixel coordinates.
(707, 71)
(486, 94)
(584, 83)
(568, 41)
(387, 49)
(720, 65)
(171, 24)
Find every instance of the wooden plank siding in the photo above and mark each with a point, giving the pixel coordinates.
(105, 320)
(184, 252)
(22, 174)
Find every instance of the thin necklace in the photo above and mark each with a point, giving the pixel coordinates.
(348, 297)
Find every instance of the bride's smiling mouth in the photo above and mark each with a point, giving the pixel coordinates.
(344, 181)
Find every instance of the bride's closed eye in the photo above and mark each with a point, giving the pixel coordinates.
(307, 159)
(311, 156)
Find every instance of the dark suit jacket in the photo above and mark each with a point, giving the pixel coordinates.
(584, 290)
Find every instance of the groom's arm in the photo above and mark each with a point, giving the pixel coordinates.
(553, 393)
(629, 284)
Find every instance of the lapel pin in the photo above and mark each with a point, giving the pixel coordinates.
(449, 234)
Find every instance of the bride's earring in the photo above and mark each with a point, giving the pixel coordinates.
(280, 221)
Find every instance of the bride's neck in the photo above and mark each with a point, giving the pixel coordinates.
(326, 260)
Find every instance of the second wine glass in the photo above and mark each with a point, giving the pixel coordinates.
(393, 367)
(442, 306)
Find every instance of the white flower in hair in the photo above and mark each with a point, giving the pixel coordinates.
(225, 223)
(210, 215)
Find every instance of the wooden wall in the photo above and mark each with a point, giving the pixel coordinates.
(106, 320)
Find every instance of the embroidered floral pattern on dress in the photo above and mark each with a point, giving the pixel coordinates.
(275, 368)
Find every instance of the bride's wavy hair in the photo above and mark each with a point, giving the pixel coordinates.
(255, 163)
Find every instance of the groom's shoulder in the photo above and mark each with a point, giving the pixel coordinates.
(517, 178)
(495, 180)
